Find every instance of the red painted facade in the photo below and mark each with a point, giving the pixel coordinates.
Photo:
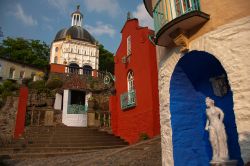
(57, 68)
(21, 113)
(144, 117)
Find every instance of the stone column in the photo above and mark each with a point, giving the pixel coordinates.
(91, 114)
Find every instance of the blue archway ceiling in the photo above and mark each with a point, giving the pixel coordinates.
(188, 88)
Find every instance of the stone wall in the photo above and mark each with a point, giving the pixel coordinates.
(230, 44)
(8, 119)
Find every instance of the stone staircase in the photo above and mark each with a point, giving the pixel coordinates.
(59, 140)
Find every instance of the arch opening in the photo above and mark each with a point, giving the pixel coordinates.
(196, 76)
(87, 70)
(74, 68)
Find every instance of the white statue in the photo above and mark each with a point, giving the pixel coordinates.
(216, 129)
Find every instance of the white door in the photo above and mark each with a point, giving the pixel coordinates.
(77, 120)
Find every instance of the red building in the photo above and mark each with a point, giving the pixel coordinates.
(135, 106)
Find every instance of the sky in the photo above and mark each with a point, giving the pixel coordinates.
(42, 19)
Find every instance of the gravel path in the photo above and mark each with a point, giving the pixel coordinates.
(146, 153)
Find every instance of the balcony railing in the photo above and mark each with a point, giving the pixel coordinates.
(77, 109)
(85, 72)
(166, 10)
(128, 99)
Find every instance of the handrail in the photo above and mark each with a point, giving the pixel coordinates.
(84, 71)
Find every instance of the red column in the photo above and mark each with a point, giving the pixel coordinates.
(20, 118)
(112, 109)
(94, 73)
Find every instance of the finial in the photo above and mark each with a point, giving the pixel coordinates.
(78, 7)
(129, 16)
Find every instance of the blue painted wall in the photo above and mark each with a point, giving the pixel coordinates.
(189, 87)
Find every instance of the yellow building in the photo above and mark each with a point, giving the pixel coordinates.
(202, 50)
(16, 71)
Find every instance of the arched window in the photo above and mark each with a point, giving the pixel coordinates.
(87, 70)
(130, 80)
(74, 68)
(55, 59)
(12, 72)
(56, 49)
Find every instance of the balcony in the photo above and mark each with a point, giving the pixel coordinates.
(65, 69)
(128, 100)
(175, 17)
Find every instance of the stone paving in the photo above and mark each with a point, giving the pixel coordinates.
(145, 153)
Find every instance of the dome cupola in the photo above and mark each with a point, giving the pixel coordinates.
(76, 31)
(77, 17)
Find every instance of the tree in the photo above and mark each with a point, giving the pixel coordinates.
(25, 51)
(106, 60)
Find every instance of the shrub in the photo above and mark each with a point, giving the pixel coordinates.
(7, 89)
(10, 85)
(54, 83)
(38, 85)
(1, 88)
(144, 136)
(26, 81)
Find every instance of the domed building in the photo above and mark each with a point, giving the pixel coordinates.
(74, 47)
(74, 58)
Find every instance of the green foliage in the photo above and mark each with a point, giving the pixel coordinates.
(26, 81)
(10, 86)
(106, 60)
(54, 83)
(144, 136)
(7, 89)
(32, 52)
(37, 85)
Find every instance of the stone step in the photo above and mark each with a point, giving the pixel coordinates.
(67, 144)
(66, 133)
(49, 152)
(70, 141)
(59, 128)
(52, 140)
(71, 144)
(69, 135)
(77, 139)
(55, 149)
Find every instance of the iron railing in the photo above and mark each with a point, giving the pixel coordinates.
(85, 72)
(77, 109)
(128, 99)
(166, 10)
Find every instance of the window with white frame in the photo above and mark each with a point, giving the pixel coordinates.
(128, 45)
(130, 80)
(12, 73)
(55, 59)
(21, 74)
(33, 76)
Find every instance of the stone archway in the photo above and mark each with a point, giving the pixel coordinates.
(189, 85)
